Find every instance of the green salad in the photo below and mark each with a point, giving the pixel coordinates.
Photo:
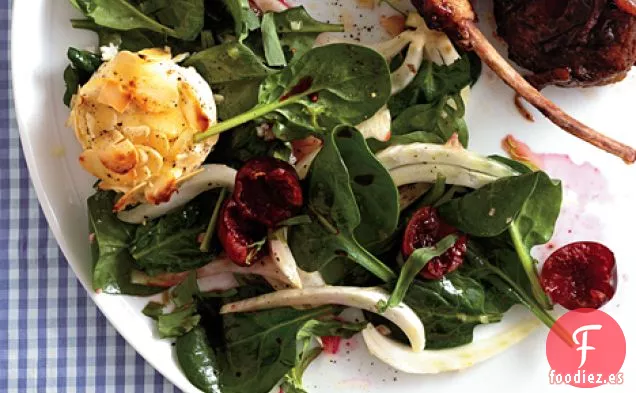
(299, 180)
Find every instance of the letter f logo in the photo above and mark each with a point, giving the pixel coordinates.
(583, 343)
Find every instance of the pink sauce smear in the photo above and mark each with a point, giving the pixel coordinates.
(583, 186)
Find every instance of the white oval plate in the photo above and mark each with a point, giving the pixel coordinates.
(41, 33)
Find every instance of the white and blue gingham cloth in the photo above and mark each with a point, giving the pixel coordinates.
(52, 337)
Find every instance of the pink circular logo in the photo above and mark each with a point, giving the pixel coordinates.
(586, 348)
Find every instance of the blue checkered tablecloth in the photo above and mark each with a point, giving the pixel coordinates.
(52, 337)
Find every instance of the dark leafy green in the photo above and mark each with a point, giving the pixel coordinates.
(413, 265)
(527, 206)
(328, 86)
(83, 65)
(442, 118)
(297, 30)
(245, 20)
(271, 43)
(179, 322)
(198, 360)
(335, 210)
(170, 243)
(131, 40)
(181, 19)
(490, 210)
(450, 308)
(233, 72)
(432, 84)
(293, 380)
(112, 263)
(153, 310)
(374, 190)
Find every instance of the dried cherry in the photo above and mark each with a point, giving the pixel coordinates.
(240, 237)
(580, 275)
(268, 190)
(425, 229)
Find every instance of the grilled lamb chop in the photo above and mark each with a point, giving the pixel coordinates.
(457, 19)
(569, 42)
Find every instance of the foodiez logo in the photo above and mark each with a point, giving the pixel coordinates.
(590, 356)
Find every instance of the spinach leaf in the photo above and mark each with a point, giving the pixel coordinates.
(411, 268)
(271, 44)
(527, 206)
(182, 19)
(112, 263)
(169, 243)
(450, 308)
(506, 276)
(534, 225)
(442, 118)
(72, 83)
(260, 347)
(432, 83)
(198, 360)
(245, 20)
(293, 380)
(336, 212)
(131, 40)
(233, 71)
(83, 65)
(373, 188)
(153, 310)
(513, 164)
(328, 86)
(179, 322)
(297, 30)
(490, 210)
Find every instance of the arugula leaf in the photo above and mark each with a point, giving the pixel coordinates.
(72, 83)
(198, 360)
(170, 243)
(184, 293)
(234, 72)
(513, 164)
(112, 263)
(183, 19)
(328, 86)
(336, 212)
(411, 268)
(271, 43)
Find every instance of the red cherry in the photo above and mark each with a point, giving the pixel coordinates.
(425, 229)
(268, 191)
(239, 235)
(580, 275)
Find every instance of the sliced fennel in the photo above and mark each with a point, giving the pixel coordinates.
(363, 298)
(377, 126)
(283, 259)
(402, 358)
(427, 173)
(212, 176)
(450, 153)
